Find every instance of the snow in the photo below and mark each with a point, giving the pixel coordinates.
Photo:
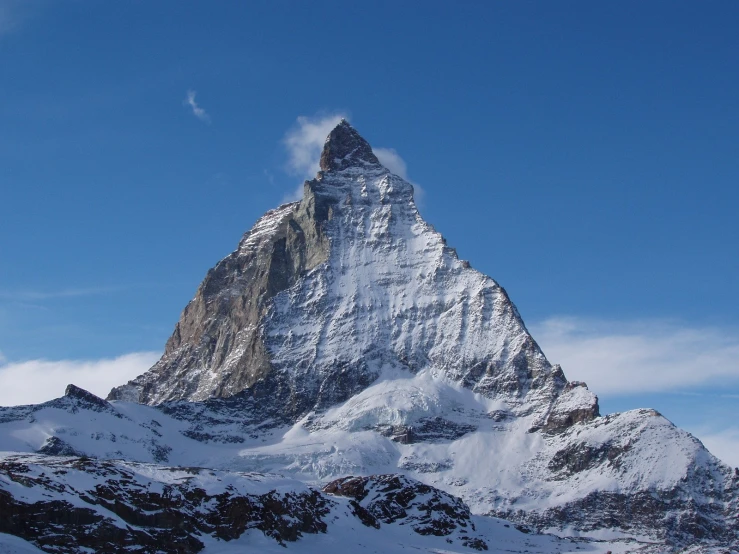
(264, 228)
(495, 464)
(346, 535)
(10, 544)
(442, 346)
(63, 479)
(393, 295)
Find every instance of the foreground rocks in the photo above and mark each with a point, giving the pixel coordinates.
(68, 504)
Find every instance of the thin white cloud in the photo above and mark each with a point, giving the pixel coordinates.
(37, 381)
(723, 443)
(305, 140)
(639, 357)
(390, 158)
(31, 295)
(197, 111)
(294, 195)
(304, 143)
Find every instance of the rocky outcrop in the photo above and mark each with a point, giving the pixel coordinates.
(576, 404)
(346, 148)
(388, 499)
(344, 336)
(67, 505)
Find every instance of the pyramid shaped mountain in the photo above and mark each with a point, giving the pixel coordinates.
(325, 295)
(346, 347)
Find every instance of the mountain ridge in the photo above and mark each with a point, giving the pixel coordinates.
(344, 343)
(355, 214)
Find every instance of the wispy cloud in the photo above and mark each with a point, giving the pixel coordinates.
(35, 381)
(35, 295)
(197, 111)
(390, 158)
(640, 356)
(305, 140)
(304, 143)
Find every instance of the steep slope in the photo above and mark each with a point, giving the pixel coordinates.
(324, 295)
(345, 338)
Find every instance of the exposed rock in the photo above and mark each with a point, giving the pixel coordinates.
(428, 429)
(75, 392)
(391, 498)
(54, 446)
(322, 295)
(576, 404)
(113, 506)
(342, 321)
(345, 148)
(129, 508)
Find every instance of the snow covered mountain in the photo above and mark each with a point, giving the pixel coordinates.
(325, 295)
(342, 338)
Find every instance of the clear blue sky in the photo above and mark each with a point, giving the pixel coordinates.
(584, 154)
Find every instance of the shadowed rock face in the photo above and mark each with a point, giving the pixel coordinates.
(217, 348)
(325, 294)
(349, 299)
(116, 507)
(109, 506)
(386, 499)
(344, 148)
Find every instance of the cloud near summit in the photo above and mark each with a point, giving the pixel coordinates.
(304, 143)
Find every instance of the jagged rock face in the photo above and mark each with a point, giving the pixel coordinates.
(389, 498)
(325, 295)
(67, 505)
(78, 504)
(628, 475)
(344, 337)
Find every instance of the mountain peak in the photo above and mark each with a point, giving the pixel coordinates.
(345, 147)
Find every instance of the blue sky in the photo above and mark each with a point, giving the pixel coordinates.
(584, 154)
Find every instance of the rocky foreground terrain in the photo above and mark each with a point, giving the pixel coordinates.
(343, 381)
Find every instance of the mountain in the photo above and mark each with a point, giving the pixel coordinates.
(345, 349)
(325, 295)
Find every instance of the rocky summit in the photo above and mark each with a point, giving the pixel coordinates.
(344, 379)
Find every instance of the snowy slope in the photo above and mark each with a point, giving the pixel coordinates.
(344, 337)
(70, 504)
(631, 475)
(324, 295)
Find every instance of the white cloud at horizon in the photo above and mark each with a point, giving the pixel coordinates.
(197, 111)
(645, 356)
(614, 358)
(35, 381)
